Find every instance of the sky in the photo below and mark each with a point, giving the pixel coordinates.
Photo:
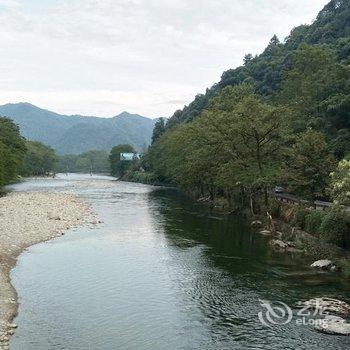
(151, 57)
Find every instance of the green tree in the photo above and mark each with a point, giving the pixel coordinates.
(12, 151)
(317, 89)
(118, 166)
(237, 142)
(340, 183)
(308, 165)
(39, 159)
(250, 132)
(96, 161)
(67, 163)
(159, 129)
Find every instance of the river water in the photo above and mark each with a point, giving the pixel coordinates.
(160, 273)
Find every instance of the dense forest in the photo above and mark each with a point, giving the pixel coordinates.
(283, 118)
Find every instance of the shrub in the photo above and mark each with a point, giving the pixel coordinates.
(299, 217)
(275, 208)
(139, 176)
(313, 221)
(334, 227)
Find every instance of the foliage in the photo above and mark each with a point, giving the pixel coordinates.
(119, 167)
(313, 221)
(331, 29)
(299, 217)
(158, 130)
(282, 118)
(307, 167)
(340, 183)
(141, 177)
(12, 151)
(39, 159)
(317, 89)
(95, 161)
(334, 227)
(235, 146)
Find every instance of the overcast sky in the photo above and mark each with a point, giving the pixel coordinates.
(101, 57)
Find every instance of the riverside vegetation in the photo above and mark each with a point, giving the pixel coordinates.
(281, 119)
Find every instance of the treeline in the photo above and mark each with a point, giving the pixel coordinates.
(96, 161)
(281, 119)
(19, 157)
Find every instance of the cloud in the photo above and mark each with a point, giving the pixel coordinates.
(143, 52)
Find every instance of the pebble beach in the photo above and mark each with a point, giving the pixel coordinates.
(28, 218)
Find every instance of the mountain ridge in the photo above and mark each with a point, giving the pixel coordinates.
(73, 134)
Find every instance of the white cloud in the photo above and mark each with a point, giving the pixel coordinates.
(136, 55)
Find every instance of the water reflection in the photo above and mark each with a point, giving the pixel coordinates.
(226, 268)
(160, 273)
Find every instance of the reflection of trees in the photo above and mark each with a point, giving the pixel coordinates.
(186, 224)
(220, 269)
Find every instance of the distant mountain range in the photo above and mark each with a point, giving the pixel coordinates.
(76, 134)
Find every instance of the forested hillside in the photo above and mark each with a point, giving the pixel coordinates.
(78, 134)
(283, 118)
(331, 29)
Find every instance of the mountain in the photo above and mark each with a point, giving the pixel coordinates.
(76, 134)
(330, 29)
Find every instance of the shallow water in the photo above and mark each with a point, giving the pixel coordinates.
(160, 273)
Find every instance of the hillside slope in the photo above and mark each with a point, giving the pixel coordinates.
(331, 28)
(77, 134)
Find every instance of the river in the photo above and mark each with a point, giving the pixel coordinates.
(160, 272)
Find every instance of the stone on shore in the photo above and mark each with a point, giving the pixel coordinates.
(324, 264)
(334, 325)
(329, 306)
(279, 244)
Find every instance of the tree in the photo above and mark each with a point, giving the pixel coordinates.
(12, 151)
(39, 159)
(95, 160)
(237, 142)
(317, 90)
(308, 165)
(250, 132)
(118, 166)
(340, 183)
(159, 129)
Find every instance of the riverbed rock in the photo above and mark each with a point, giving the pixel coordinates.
(333, 325)
(329, 306)
(324, 264)
(279, 244)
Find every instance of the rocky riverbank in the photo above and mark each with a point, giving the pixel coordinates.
(28, 218)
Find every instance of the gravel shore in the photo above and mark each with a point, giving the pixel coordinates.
(29, 218)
